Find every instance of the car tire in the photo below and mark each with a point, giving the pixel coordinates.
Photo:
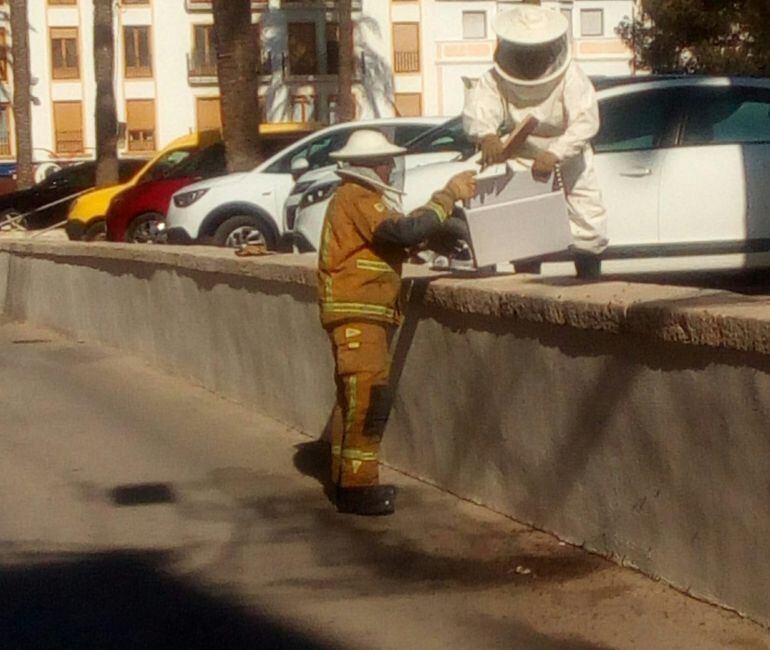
(96, 231)
(243, 229)
(143, 228)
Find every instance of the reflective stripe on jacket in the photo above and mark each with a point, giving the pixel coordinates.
(359, 276)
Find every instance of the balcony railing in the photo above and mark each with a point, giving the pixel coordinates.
(406, 62)
(258, 5)
(201, 69)
(205, 5)
(5, 143)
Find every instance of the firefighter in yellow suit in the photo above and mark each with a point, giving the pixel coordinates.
(364, 241)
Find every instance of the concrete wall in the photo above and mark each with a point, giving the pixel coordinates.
(631, 419)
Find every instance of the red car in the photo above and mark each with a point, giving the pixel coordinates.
(135, 213)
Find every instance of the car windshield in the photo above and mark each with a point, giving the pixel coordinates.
(208, 162)
(448, 136)
(165, 164)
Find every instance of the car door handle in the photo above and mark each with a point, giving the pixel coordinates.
(636, 172)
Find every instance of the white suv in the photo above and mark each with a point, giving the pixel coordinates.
(247, 207)
(683, 165)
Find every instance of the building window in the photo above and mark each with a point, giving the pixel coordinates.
(68, 126)
(209, 112)
(3, 55)
(591, 22)
(303, 54)
(264, 60)
(140, 124)
(62, 2)
(5, 130)
(408, 104)
(406, 47)
(474, 24)
(204, 57)
(332, 48)
(64, 53)
(137, 51)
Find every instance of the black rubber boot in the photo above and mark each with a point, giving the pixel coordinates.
(372, 500)
(533, 267)
(588, 266)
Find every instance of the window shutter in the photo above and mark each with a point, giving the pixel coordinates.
(209, 114)
(68, 124)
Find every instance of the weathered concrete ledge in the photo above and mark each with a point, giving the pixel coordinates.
(631, 419)
(678, 314)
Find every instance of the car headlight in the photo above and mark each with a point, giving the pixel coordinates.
(188, 198)
(320, 193)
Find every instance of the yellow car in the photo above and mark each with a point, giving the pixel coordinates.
(85, 220)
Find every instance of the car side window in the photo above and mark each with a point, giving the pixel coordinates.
(638, 121)
(404, 134)
(728, 116)
(447, 137)
(77, 177)
(315, 152)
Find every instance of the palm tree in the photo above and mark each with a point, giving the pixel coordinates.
(346, 108)
(237, 66)
(106, 112)
(22, 112)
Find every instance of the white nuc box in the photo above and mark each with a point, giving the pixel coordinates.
(515, 217)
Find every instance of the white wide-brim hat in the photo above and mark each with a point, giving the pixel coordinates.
(368, 144)
(530, 25)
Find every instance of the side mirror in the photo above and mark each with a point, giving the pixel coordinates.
(299, 166)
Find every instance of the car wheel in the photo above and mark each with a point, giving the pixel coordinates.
(143, 229)
(243, 229)
(96, 231)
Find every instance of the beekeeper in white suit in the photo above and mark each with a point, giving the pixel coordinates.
(534, 74)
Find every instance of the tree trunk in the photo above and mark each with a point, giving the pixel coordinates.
(346, 107)
(22, 111)
(106, 111)
(237, 66)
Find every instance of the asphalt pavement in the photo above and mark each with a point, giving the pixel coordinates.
(138, 511)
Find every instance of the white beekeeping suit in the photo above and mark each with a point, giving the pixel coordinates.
(534, 74)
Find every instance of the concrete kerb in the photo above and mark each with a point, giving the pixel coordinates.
(630, 419)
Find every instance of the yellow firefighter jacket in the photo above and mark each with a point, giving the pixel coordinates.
(359, 275)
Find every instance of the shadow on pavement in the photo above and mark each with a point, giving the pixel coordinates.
(123, 601)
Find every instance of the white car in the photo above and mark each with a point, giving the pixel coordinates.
(294, 239)
(683, 165)
(247, 207)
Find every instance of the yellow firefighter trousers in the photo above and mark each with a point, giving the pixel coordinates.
(362, 366)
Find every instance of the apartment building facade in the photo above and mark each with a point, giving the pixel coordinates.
(410, 58)
(438, 42)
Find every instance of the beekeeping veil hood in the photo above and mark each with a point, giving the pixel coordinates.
(533, 46)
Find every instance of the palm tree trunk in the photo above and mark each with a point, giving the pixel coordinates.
(237, 66)
(346, 108)
(106, 111)
(22, 111)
